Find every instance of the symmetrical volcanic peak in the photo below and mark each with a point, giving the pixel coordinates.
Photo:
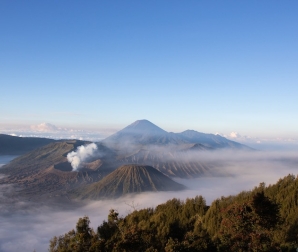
(143, 126)
(143, 132)
(130, 178)
(139, 132)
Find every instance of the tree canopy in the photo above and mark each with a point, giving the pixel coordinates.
(263, 219)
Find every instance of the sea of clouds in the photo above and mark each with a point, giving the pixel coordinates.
(27, 226)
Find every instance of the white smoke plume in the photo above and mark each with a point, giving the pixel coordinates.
(75, 158)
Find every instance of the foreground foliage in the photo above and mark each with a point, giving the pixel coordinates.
(264, 219)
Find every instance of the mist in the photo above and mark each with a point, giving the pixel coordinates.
(4, 159)
(26, 226)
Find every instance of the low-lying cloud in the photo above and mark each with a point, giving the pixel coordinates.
(26, 226)
(48, 130)
(82, 154)
(44, 127)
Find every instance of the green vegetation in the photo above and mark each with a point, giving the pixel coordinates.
(264, 219)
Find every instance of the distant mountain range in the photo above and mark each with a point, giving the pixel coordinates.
(173, 154)
(46, 170)
(143, 132)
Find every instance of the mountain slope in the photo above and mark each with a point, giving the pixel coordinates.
(173, 163)
(143, 132)
(174, 154)
(129, 179)
(139, 133)
(39, 158)
(210, 140)
(13, 145)
(46, 171)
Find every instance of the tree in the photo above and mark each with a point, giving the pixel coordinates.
(74, 241)
(83, 234)
(248, 226)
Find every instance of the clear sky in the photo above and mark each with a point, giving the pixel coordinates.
(211, 66)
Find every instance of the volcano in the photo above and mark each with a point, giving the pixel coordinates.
(130, 178)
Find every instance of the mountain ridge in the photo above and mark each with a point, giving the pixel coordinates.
(14, 145)
(143, 132)
(46, 170)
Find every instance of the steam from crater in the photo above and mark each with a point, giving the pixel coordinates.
(75, 158)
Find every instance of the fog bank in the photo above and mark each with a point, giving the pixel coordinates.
(26, 226)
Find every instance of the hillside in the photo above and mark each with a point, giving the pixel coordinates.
(172, 162)
(263, 219)
(13, 145)
(129, 179)
(46, 171)
(211, 140)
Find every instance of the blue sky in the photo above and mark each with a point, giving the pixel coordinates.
(211, 66)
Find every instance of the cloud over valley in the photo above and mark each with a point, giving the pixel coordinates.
(29, 225)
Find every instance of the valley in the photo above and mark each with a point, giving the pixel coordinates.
(55, 183)
(46, 172)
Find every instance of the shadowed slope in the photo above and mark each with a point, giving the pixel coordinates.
(13, 145)
(41, 158)
(46, 171)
